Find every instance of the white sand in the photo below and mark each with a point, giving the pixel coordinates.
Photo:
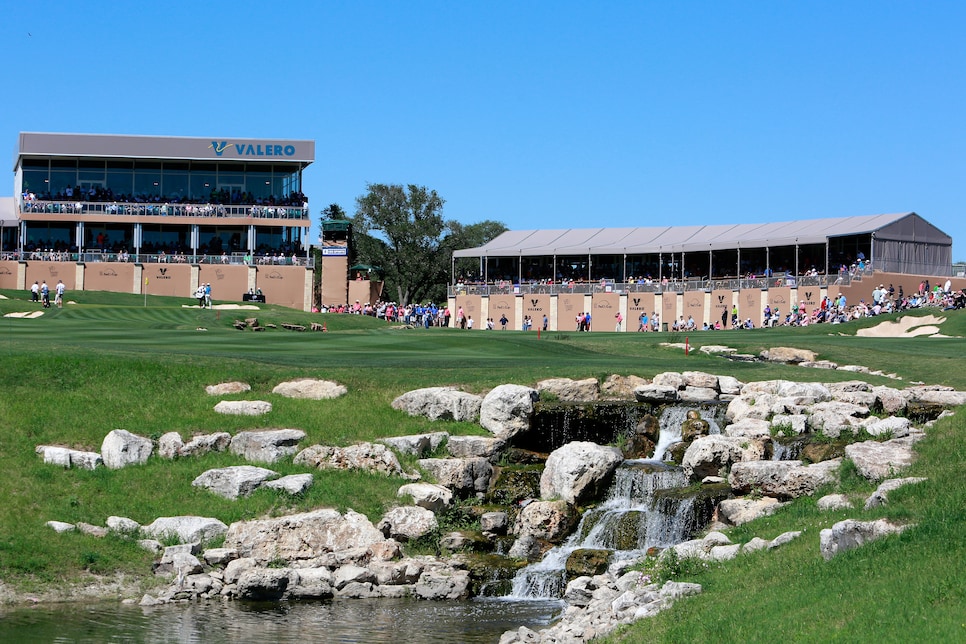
(905, 327)
(25, 314)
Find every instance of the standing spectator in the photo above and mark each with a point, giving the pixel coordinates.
(59, 294)
(35, 292)
(503, 322)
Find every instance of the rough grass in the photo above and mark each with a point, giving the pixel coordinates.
(110, 362)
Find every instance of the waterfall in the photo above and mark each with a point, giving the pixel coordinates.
(630, 520)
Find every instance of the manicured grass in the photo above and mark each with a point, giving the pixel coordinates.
(110, 361)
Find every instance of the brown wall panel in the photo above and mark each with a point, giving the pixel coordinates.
(638, 303)
(750, 305)
(669, 309)
(780, 298)
(568, 306)
(8, 275)
(721, 302)
(282, 285)
(472, 308)
(227, 282)
(536, 306)
(500, 305)
(168, 279)
(694, 302)
(106, 276)
(603, 312)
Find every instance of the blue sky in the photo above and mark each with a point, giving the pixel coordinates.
(536, 114)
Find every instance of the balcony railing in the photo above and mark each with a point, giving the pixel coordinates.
(233, 259)
(164, 209)
(668, 286)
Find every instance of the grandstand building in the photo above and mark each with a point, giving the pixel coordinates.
(165, 214)
(699, 272)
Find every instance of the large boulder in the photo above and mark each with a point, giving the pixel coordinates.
(578, 471)
(169, 445)
(420, 445)
(850, 533)
(506, 410)
(233, 482)
(833, 417)
(427, 495)
(788, 355)
(876, 461)
(406, 523)
(700, 379)
(568, 390)
(226, 388)
(710, 455)
(475, 446)
(889, 399)
(310, 389)
(370, 457)
(740, 511)
(301, 536)
(122, 448)
(465, 476)
(243, 407)
(655, 393)
(440, 403)
(66, 457)
(264, 584)
(204, 443)
(443, 583)
(783, 479)
(292, 484)
(266, 446)
(794, 393)
(617, 387)
(892, 427)
(187, 529)
(548, 520)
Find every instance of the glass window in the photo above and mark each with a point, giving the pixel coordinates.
(175, 186)
(147, 183)
(35, 181)
(120, 182)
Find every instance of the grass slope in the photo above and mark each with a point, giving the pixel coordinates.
(120, 361)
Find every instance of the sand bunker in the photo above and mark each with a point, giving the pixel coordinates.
(905, 327)
(25, 314)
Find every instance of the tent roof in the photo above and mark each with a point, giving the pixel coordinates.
(675, 239)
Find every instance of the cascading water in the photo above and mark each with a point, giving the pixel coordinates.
(631, 519)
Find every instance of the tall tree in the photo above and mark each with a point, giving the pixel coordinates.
(333, 211)
(410, 228)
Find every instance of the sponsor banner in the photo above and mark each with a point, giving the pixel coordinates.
(501, 305)
(604, 311)
(335, 251)
(694, 307)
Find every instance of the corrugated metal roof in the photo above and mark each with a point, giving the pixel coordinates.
(676, 239)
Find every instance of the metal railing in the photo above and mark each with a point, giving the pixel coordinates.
(164, 209)
(90, 256)
(665, 286)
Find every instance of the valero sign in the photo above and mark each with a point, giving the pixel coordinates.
(265, 149)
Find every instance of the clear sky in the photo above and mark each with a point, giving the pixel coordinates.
(537, 114)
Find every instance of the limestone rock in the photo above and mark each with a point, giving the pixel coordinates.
(204, 443)
(730, 386)
(187, 529)
(370, 457)
(311, 389)
(123, 525)
(655, 393)
(548, 520)
(894, 426)
(749, 428)
(441, 584)
(233, 482)
(709, 455)
(740, 511)
(66, 457)
(122, 448)
(618, 387)
(266, 446)
(169, 445)
(579, 470)
(784, 479)
(788, 355)
(876, 461)
(313, 583)
(831, 502)
(61, 526)
(881, 495)
(700, 379)
(427, 495)
(219, 556)
(292, 484)
(890, 400)
(236, 567)
(440, 403)
(226, 388)
(494, 523)
(406, 523)
(671, 379)
(849, 534)
(465, 476)
(506, 410)
(831, 418)
(351, 574)
(475, 446)
(263, 584)
(419, 445)
(301, 536)
(568, 390)
(243, 407)
(697, 394)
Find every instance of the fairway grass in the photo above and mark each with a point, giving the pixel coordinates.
(113, 361)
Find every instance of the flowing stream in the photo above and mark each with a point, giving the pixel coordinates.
(633, 518)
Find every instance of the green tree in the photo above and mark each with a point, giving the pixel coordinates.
(333, 211)
(402, 231)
